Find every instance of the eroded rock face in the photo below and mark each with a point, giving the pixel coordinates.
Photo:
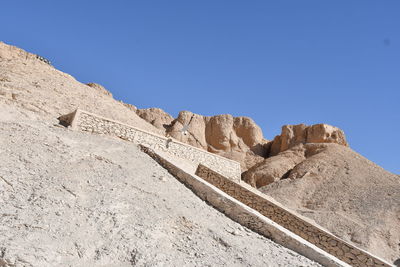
(274, 168)
(156, 116)
(295, 144)
(237, 138)
(293, 135)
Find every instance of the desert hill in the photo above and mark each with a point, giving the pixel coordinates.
(310, 169)
(72, 199)
(339, 189)
(35, 85)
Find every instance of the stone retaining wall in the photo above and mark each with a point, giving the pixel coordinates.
(88, 122)
(244, 215)
(291, 221)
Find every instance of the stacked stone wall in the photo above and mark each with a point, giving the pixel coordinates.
(88, 122)
(291, 221)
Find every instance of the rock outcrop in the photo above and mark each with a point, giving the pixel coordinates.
(291, 147)
(156, 116)
(274, 168)
(240, 138)
(293, 135)
(237, 138)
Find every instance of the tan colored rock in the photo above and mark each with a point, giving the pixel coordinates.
(274, 168)
(156, 116)
(293, 135)
(189, 128)
(237, 138)
(99, 88)
(246, 159)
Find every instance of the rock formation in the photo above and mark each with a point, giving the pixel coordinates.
(293, 135)
(156, 116)
(274, 168)
(237, 138)
(291, 147)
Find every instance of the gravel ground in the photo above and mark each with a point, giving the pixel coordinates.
(73, 199)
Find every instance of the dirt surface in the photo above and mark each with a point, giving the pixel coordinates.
(346, 193)
(73, 199)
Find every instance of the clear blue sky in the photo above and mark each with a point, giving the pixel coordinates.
(278, 62)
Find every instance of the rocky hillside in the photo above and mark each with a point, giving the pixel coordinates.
(74, 199)
(31, 83)
(310, 169)
(237, 138)
(342, 191)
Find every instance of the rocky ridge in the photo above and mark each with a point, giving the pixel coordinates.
(237, 138)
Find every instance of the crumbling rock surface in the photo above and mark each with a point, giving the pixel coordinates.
(156, 116)
(240, 138)
(274, 168)
(237, 138)
(293, 135)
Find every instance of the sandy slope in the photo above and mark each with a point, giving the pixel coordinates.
(73, 199)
